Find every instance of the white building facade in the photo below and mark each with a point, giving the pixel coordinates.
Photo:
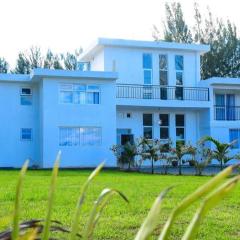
(133, 89)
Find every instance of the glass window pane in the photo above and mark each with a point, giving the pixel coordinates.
(180, 120)
(78, 87)
(179, 133)
(147, 132)
(147, 60)
(163, 78)
(147, 119)
(66, 97)
(234, 136)
(220, 99)
(147, 76)
(164, 133)
(26, 91)
(26, 133)
(179, 62)
(179, 78)
(96, 98)
(164, 119)
(163, 62)
(26, 100)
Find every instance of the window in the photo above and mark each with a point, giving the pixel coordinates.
(79, 94)
(26, 96)
(180, 129)
(234, 135)
(164, 126)
(148, 126)
(128, 115)
(179, 67)
(147, 68)
(80, 136)
(26, 134)
(163, 75)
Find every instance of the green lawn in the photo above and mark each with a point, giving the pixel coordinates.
(120, 220)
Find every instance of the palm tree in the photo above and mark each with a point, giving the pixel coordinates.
(150, 149)
(221, 151)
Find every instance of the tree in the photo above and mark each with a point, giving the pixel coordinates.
(175, 27)
(150, 150)
(71, 60)
(125, 154)
(4, 66)
(223, 59)
(52, 61)
(221, 151)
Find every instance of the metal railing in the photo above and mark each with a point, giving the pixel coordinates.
(226, 113)
(135, 91)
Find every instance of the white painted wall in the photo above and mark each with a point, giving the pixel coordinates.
(56, 114)
(14, 116)
(135, 123)
(128, 62)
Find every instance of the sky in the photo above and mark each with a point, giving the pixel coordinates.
(64, 25)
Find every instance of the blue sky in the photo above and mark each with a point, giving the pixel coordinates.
(64, 25)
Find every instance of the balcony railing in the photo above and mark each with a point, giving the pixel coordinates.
(227, 113)
(162, 92)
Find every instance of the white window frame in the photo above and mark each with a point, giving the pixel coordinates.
(80, 139)
(168, 127)
(87, 90)
(148, 69)
(184, 128)
(25, 95)
(148, 126)
(163, 70)
(21, 131)
(181, 71)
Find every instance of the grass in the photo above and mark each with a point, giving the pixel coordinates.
(119, 220)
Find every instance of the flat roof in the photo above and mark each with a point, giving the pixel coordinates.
(124, 43)
(220, 81)
(39, 73)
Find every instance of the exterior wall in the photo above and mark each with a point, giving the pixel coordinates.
(135, 123)
(97, 63)
(128, 63)
(14, 116)
(57, 115)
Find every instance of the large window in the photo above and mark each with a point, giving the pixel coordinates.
(234, 135)
(26, 134)
(26, 96)
(79, 94)
(148, 125)
(163, 75)
(147, 68)
(164, 126)
(179, 67)
(80, 136)
(180, 129)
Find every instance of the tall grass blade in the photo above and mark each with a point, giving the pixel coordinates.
(16, 214)
(150, 222)
(75, 222)
(46, 230)
(186, 202)
(98, 207)
(207, 204)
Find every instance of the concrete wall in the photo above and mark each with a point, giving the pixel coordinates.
(57, 115)
(128, 63)
(135, 123)
(14, 116)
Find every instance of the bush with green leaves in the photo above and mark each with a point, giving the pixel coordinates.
(208, 194)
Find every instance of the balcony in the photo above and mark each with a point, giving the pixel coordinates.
(132, 91)
(227, 113)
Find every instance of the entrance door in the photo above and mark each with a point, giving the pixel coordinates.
(126, 138)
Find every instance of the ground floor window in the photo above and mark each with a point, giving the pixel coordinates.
(180, 129)
(26, 134)
(234, 135)
(80, 136)
(148, 125)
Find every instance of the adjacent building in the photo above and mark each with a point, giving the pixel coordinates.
(128, 89)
